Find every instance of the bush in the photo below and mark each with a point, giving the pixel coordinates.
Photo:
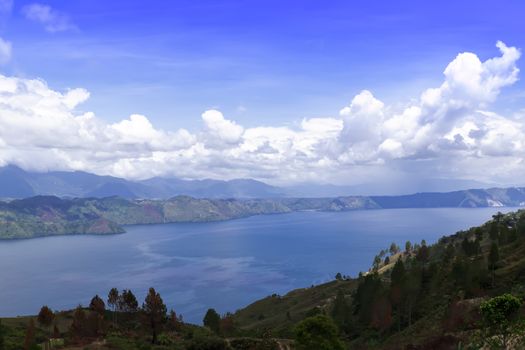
(317, 333)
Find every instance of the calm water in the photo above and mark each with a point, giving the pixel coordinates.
(225, 265)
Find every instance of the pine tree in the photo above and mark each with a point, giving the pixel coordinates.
(212, 320)
(78, 326)
(97, 305)
(29, 340)
(2, 342)
(493, 260)
(113, 299)
(155, 311)
(46, 317)
(340, 310)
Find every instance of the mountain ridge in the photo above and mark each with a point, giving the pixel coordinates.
(51, 215)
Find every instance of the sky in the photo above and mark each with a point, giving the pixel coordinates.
(287, 92)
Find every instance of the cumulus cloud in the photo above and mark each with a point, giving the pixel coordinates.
(52, 20)
(221, 128)
(448, 130)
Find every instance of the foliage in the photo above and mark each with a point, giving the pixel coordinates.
(127, 302)
(45, 316)
(97, 305)
(155, 312)
(317, 333)
(501, 320)
(212, 320)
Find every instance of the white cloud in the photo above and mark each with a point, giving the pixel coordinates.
(52, 20)
(223, 129)
(448, 131)
(5, 51)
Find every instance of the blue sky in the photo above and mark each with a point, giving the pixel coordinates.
(280, 60)
(260, 63)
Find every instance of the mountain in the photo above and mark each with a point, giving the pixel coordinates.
(238, 188)
(43, 216)
(392, 187)
(50, 215)
(13, 183)
(17, 183)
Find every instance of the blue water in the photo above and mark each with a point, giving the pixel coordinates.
(225, 265)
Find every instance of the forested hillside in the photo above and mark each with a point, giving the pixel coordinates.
(419, 296)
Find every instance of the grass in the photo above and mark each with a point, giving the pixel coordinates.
(281, 313)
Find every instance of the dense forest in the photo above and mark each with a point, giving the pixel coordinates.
(464, 292)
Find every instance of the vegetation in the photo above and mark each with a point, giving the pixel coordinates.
(465, 290)
(48, 215)
(317, 332)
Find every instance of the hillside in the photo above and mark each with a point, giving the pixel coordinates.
(49, 215)
(424, 297)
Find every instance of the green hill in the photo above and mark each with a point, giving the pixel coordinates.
(426, 297)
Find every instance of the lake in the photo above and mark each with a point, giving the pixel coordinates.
(225, 265)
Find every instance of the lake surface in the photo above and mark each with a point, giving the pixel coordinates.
(224, 265)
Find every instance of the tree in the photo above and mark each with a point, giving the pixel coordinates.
(478, 232)
(212, 320)
(394, 249)
(113, 299)
(56, 332)
(501, 320)
(78, 326)
(317, 332)
(174, 321)
(29, 340)
(46, 317)
(128, 302)
(408, 247)
(494, 231)
(340, 310)
(412, 287)
(94, 324)
(493, 260)
(338, 276)
(376, 263)
(423, 254)
(155, 311)
(227, 324)
(397, 281)
(382, 314)
(97, 305)
(2, 343)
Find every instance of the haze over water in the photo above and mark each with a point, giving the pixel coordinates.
(224, 265)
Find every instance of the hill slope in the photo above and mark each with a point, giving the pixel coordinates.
(426, 297)
(49, 215)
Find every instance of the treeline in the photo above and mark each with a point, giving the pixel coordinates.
(120, 322)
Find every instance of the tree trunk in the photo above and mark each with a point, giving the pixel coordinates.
(409, 313)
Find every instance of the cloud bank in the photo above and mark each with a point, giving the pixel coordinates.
(448, 131)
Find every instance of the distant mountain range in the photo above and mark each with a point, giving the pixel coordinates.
(18, 183)
(50, 215)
